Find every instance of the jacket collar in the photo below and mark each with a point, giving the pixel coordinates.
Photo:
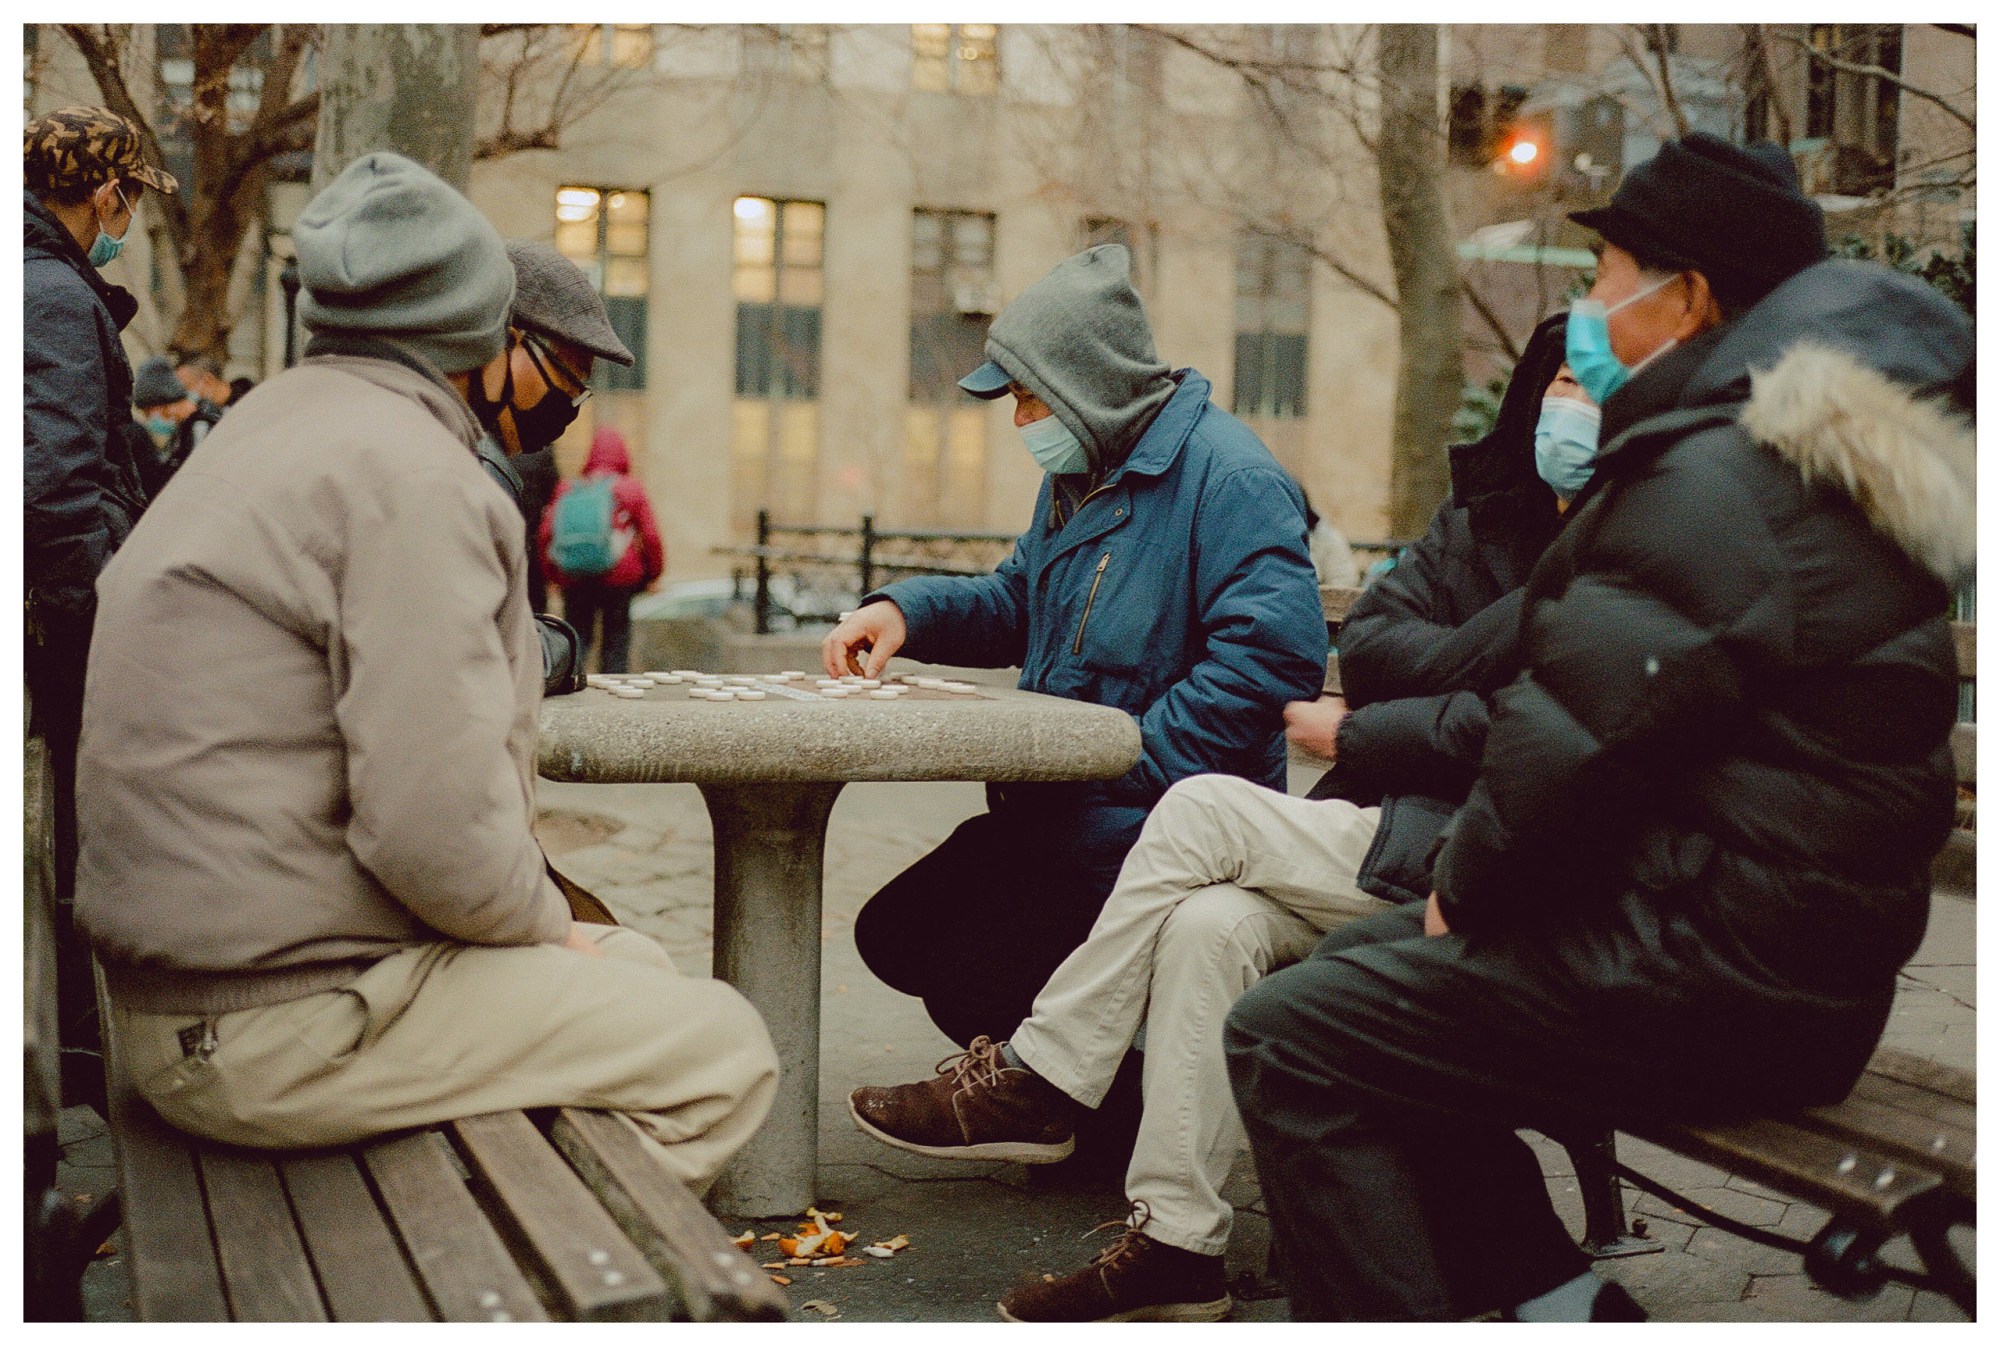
(43, 233)
(428, 386)
(1162, 441)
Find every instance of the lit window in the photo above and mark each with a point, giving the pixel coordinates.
(623, 44)
(604, 230)
(1272, 281)
(955, 57)
(779, 283)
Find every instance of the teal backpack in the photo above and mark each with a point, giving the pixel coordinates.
(581, 540)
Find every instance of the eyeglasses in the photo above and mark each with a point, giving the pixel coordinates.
(537, 352)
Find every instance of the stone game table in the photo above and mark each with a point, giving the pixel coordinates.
(769, 771)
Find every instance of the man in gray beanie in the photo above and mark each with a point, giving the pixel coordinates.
(307, 769)
(1165, 572)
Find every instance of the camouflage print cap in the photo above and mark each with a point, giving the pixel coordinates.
(77, 146)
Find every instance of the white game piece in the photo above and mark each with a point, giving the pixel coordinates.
(851, 679)
(630, 693)
(639, 682)
(792, 675)
(826, 682)
(665, 679)
(722, 694)
(774, 678)
(751, 694)
(961, 688)
(869, 683)
(885, 694)
(835, 692)
(689, 673)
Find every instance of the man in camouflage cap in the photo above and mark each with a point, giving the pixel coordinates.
(85, 176)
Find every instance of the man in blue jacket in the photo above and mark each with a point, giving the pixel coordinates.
(1165, 572)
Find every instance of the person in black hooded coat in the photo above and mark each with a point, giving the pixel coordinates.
(1698, 849)
(1426, 644)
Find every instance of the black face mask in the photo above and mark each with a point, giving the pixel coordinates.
(536, 427)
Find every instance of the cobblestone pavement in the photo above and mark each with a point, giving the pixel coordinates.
(974, 1228)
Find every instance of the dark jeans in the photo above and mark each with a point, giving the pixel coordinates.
(585, 603)
(54, 657)
(1382, 1079)
(976, 927)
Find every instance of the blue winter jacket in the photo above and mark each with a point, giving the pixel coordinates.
(1180, 591)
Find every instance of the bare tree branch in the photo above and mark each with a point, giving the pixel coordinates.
(1667, 94)
(1491, 319)
(103, 58)
(1889, 77)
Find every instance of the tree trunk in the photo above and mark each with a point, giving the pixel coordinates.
(1430, 372)
(407, 87)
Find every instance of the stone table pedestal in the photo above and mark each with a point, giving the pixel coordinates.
(770, 772)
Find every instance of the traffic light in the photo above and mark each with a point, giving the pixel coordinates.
(1524, 148)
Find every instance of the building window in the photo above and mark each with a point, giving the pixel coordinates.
(955, 57)
(795, 49)
(779, 282)
(604, 231)
(1272, 281)
(621, 44)
(952, 302)
(1137, 240)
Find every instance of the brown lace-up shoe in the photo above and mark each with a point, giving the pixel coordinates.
(978, 1107)
(1135, 1279)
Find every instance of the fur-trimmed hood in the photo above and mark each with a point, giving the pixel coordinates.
(1907, 460)
(1848, 370)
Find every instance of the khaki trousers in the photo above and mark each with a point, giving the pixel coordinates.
(452, 1030)
(1227, 881)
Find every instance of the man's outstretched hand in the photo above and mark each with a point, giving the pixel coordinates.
(1313, 725)
(864, 640)
(1434, 918)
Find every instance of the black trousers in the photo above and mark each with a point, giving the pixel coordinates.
(54, 656)
(976, 927)
(585, 604)
(1381, 1082)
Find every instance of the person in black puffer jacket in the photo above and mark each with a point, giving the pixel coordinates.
(1426, 644)
(1698, 848)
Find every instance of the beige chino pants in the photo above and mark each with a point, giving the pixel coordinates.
(452, 1030)
(1227, 881)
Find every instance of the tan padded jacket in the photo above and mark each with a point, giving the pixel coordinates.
(310, 714)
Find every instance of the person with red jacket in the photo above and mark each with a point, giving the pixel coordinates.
(637, 556)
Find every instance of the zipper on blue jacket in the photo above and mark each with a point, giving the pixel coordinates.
(1076, 647)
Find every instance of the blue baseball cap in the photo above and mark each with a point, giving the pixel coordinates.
(987, 381)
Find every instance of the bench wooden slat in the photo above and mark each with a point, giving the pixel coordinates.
(1336, 602)
(1867, 1118)
(1332, 683)
(462, 1262)
(353, 1250)
(1923, 1073)
(1965, 638)
(1850, 1180)
(175, 1278)
(596, 1270)
(675, 1232)
(264, 1268)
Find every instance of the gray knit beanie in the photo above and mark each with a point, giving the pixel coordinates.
(390, 250)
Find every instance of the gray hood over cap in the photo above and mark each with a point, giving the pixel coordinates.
(1079, 340)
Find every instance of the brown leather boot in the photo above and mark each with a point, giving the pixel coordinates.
(1136, 1279)
(978, 1107)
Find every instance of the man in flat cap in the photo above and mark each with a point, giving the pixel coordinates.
(308, 784)
(82, 492)
(1699, 846)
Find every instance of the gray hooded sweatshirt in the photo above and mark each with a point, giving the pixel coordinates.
(1079, 340)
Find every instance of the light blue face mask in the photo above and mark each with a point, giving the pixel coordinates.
(106, 247)
(1052, 445)
(1587, 344)
(1566, 444)
(160, 425)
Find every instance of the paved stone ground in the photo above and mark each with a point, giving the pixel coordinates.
(974, 1228)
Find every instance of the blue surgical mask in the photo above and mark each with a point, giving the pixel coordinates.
(1587, 344)
(106, 247)
(160, 425)
(1566, 444)
(1053, 446)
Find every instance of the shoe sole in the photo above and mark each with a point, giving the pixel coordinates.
(1212, 1312)
(1016, 1151)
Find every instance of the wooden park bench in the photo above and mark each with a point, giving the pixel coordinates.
(1895, 1158)
(510, 1216)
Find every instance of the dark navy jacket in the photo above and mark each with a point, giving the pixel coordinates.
(1179, 591)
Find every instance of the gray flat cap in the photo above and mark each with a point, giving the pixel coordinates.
(553, 296)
